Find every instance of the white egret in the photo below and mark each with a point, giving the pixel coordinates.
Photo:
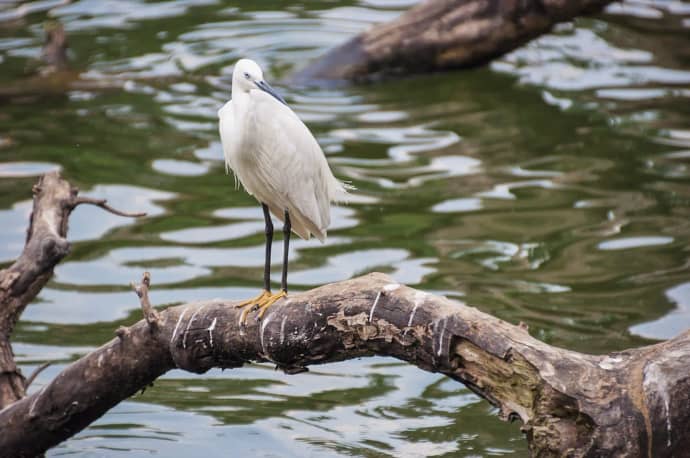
(278, 161)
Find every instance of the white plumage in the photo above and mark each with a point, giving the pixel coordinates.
(275, 156)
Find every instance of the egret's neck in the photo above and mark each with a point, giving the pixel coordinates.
(240, 98)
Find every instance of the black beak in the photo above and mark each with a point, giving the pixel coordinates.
(264, 86)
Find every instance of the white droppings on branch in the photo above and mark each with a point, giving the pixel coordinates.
(419, 297)
(210, 331)
(282, 330)
(610, 362)
(36, 399)
(668, 421)
(189, 324)
(440, 338)
(388, 288)
(391, 287)
(177, 326)
(263, 328)
(655, 383)
(373, 307)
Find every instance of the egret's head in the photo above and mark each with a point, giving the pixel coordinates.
(248, 75)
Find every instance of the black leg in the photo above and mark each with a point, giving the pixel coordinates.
(287, 229)
(269, 244)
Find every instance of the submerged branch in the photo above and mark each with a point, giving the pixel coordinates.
(444, 34)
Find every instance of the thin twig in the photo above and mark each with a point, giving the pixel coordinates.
(104, 205)
(34, 374)
(142, 291)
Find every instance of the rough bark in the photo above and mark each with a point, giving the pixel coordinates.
(629, 403)
(46, 245)
(20, 283)
(444, 34)
(632, 403)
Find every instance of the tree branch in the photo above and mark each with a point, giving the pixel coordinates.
(46, 245)
(150, 314)
(104, 205)
(444, 34)
(622, 404)
(35, 374)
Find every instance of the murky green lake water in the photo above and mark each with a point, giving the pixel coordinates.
(551, 187)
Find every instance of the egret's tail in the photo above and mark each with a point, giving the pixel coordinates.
(313, 219)
(301, 225)
(341, 192)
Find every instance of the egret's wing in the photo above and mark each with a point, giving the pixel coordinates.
(291, 165)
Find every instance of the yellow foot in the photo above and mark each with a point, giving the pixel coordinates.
(264, 294)
(249, 305)
(268, 302)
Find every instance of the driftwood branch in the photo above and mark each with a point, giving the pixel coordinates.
(444, 34)
(630, 403)
(46, 245)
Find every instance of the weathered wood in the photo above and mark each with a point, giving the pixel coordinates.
(20, 283)
(444, 34)
(46, 245)
(632, 403)
(629, 403)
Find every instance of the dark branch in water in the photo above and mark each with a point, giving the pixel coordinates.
(630, 403)
(438, 35)
(54, 52)
(57, 76)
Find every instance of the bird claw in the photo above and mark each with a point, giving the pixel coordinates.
(268, 302)
(260, 303)
(255, 300)
(251, 305)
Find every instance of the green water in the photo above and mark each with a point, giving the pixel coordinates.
(549, 188)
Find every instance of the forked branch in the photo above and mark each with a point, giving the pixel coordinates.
(46, 245)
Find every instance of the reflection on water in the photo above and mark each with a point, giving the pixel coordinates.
(550, 188)
(674, 323)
